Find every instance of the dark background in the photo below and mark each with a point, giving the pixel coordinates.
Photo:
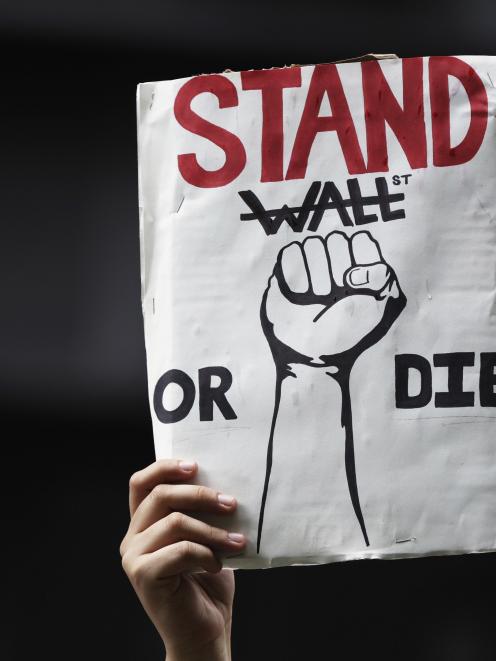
(75, 419)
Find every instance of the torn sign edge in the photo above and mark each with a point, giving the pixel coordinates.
(240, 562)
(359, 58)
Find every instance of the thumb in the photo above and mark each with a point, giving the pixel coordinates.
(368, 276)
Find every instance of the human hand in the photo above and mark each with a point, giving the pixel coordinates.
(329, 298)
(164, 548)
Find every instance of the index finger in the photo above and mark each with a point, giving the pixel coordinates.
(163, 471)
(365, 249)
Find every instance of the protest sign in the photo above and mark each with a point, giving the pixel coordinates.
(318, 255)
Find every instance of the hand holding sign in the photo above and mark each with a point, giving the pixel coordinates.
(173, 560)
(329, 299)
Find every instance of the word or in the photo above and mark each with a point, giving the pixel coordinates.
(208, 394)
(455, 396)
(380, 107)
(330, 198)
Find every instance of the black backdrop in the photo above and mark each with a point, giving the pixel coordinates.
(75, 417)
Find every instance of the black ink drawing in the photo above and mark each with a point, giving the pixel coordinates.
(317, 277)
(314, 207)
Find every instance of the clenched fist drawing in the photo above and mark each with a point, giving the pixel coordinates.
(327, 301)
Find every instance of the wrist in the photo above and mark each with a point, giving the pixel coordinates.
(310, 404)
(215, 650)
(312, 382)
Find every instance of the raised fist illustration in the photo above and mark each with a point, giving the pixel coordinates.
(328, 300)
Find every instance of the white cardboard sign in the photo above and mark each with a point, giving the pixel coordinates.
(319, 294)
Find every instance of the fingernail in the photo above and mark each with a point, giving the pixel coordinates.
(187, 466)
(236, 537)
(226, 500)
(359, 277)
